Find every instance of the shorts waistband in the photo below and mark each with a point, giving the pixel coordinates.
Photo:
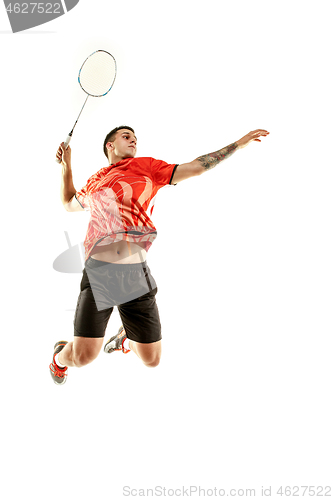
(94, 263)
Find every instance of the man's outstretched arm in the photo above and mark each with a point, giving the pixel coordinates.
(209, 161)
(67, 189)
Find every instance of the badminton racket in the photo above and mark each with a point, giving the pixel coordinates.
(96, 78)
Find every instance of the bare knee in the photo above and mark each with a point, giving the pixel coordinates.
(150, 354)
(83, 358)
(85, 350)
(153, 362)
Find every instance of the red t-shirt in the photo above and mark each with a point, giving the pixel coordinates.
(119, 197)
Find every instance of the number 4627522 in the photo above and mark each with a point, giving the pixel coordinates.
(30, 8)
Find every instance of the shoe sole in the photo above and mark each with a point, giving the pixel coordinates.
(108, 351)
(60, 383)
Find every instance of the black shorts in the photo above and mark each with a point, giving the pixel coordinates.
(131, 288)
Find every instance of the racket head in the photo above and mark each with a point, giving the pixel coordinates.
(98, 73)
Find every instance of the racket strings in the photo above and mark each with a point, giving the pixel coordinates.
(98, 73)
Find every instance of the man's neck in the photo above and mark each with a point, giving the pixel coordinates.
(115, 159)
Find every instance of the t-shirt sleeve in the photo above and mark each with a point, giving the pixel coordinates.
(82, 198)
(162, 172)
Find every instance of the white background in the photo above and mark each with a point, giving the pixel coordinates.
(243, 259)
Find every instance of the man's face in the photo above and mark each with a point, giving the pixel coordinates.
(124, 145)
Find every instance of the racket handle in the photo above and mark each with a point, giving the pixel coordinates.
(67, 141)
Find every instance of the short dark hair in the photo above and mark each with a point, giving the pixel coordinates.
(111, 136)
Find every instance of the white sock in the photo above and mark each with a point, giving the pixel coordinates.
(126, 344)
(56, 359)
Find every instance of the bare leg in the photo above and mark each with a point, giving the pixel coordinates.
(150, 354)
(81, 351)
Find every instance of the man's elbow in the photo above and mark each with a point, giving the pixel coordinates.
(197, 168)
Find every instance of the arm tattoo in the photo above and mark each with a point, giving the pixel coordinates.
(211, 160)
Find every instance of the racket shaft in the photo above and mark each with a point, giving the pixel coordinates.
(70, 134)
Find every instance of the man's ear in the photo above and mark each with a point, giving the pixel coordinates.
(109, 146)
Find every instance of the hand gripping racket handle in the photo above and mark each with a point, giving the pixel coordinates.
(67, 141)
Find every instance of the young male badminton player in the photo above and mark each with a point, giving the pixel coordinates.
(120, 233)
